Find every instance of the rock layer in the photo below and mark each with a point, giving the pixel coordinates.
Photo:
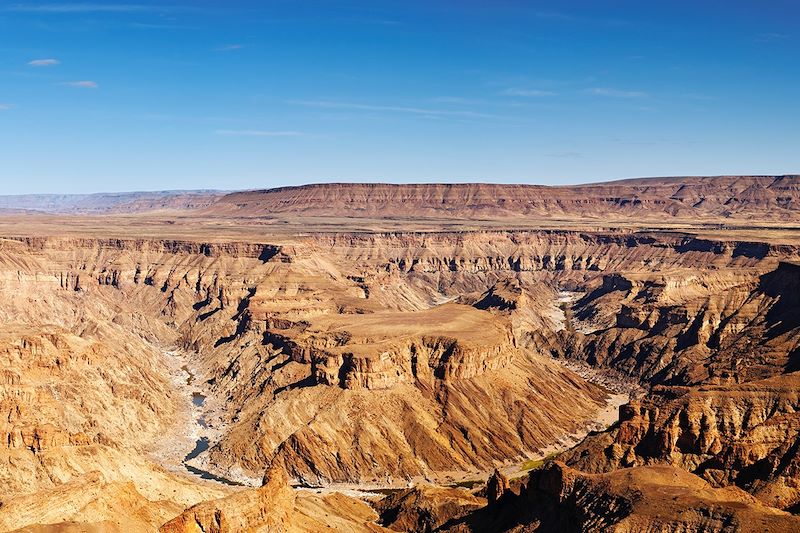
(765, 197)
(381, 357)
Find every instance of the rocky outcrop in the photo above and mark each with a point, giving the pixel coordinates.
(678, 329)
(647, 499)
(496, 487)
(426, 508)
(557, 498)
(276, 507)
(744, 435)
(269, 508)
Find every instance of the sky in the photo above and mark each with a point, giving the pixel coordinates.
(145, 95)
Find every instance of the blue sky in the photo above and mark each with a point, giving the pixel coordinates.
(142, 95)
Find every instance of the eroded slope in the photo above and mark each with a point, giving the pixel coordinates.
(385, 357)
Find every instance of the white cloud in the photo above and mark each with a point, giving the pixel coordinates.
(528, 93)
(229, 48)
(83, 7)
(553, 15)
(391, 109)
(615, 93)
(699, 97)
(565, 155)
(44, 62)
(82, 84)
(258, 133)
(6, 107)
(770, 37)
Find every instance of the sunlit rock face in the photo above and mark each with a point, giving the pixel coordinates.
(367, 357)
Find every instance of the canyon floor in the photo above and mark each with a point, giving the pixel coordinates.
(619, 357)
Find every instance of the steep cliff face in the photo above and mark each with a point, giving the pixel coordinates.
(731, 342)
(675, 328)
(774, 197)
(421, 392)
(655, 498)
(744, 435)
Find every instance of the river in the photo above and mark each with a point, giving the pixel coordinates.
(202, 443)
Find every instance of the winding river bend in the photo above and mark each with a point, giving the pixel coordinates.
(202, 443)
(619, 393)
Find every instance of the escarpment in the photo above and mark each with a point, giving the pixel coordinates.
(720, 197)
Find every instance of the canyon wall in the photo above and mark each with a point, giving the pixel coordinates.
(434, 352)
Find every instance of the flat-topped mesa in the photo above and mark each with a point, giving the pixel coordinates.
(426, 358)
(744, 197)
(357, 352)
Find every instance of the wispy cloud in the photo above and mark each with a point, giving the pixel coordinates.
(457, 100)
(655, 142)
(698, 97)
(229, 48)
(615, 93)
(565, 155)
(553, 15)
(152, 26)
(327, 104)
(82, 84)
(366, 20)
(44, 62)
(528, 93)
(560, 16)
(6, 107)
(770, 37)
(75, 7)
(258, 133)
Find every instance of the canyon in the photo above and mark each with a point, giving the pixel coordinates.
(362, 357)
